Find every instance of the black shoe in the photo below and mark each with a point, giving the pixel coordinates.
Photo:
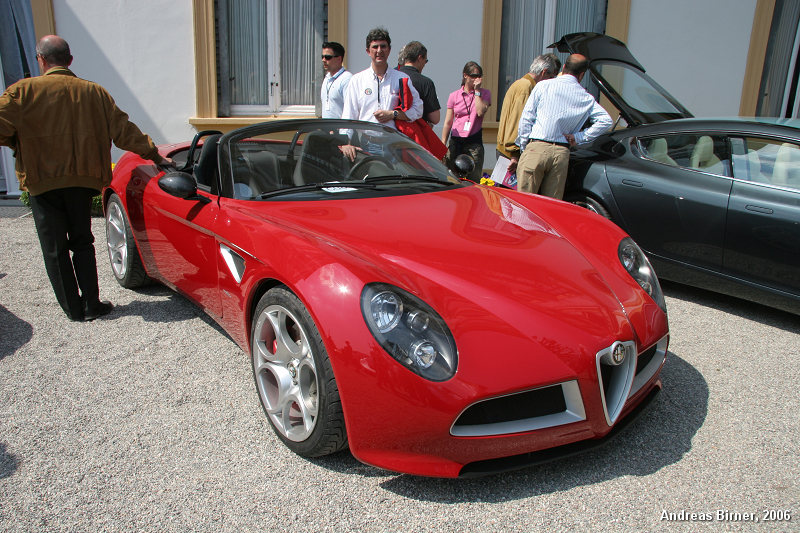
(90, 312)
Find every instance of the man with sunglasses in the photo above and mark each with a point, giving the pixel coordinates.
(336, 80)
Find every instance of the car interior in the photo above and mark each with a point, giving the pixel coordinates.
(766, 161)
(752, 159)
(787, 166)
(689, 151)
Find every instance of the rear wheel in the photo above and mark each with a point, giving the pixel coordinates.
(294, 377)
(126, 263)
(591, 204)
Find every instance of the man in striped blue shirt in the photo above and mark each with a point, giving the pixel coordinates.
(551, 122)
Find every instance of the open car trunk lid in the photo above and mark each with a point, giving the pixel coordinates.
(622, 79)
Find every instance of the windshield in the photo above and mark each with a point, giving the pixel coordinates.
(326, 157)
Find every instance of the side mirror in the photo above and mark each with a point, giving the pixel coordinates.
(464, 165)
(181, 185)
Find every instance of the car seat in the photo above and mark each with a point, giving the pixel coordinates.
(703, 157)
(657, 151)
(787, 166)
(206, 170)
(255, 170)
(320, 159)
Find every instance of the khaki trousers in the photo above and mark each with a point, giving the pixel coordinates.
(542, 169)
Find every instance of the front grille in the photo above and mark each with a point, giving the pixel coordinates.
(540, 408)
(645, 358)
(620, 382)
(615, 379)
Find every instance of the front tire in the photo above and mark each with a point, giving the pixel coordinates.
(126, 263)
(294, 378)
(587, 202)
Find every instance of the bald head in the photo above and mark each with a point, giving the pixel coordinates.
(576, 64)
(54, 51)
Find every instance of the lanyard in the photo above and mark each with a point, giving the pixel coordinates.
(330, 84)
(469, 109)
(379, 87)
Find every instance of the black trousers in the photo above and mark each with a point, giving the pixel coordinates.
(64, 224)
(473, 147)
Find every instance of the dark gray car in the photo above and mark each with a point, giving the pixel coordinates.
(714, 203)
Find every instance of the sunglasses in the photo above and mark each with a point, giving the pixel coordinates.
(474, 75)
(327, 57)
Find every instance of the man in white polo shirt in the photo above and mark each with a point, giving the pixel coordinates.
(373, 93)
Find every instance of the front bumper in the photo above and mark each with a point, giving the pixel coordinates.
(424, 433)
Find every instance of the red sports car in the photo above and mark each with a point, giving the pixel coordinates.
(435, 326)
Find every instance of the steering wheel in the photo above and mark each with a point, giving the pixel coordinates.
(368, 159)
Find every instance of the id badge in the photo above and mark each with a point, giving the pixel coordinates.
(467, 125)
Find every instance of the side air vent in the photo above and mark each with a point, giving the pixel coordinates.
(545, 407)
(234, 262)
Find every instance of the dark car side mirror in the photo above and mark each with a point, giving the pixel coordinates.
(464, 165)
(181, 185)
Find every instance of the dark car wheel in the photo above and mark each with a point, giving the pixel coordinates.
(122, 252)
(591, 204)
(294, 377)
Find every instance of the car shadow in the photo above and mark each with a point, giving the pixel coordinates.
(8, 462)
(175, 308)
(658, 438)
(16, 332)
(735, 306)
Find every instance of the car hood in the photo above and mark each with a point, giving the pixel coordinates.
(472, 244)
(639, 99)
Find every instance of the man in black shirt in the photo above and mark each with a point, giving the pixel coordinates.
(415, 57)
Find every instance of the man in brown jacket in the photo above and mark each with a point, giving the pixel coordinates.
(61, 128)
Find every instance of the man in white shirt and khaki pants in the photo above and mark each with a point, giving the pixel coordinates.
(551, 123)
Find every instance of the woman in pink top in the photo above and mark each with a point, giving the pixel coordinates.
(462, 124)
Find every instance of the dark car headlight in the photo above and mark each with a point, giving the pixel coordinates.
(410, 331)
(635, 262)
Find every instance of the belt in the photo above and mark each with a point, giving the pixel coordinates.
(565, 145)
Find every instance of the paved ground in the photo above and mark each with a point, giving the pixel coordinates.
(148, 420)
(12, 208)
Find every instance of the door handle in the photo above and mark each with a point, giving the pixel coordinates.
(633, 183)
(758, 209)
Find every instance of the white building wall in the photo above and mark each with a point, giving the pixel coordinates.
(142, 53)
(697, 50)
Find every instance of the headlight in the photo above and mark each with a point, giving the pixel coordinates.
(410, 331)
(637, 265)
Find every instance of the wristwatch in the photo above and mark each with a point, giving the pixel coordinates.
(395, 113)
